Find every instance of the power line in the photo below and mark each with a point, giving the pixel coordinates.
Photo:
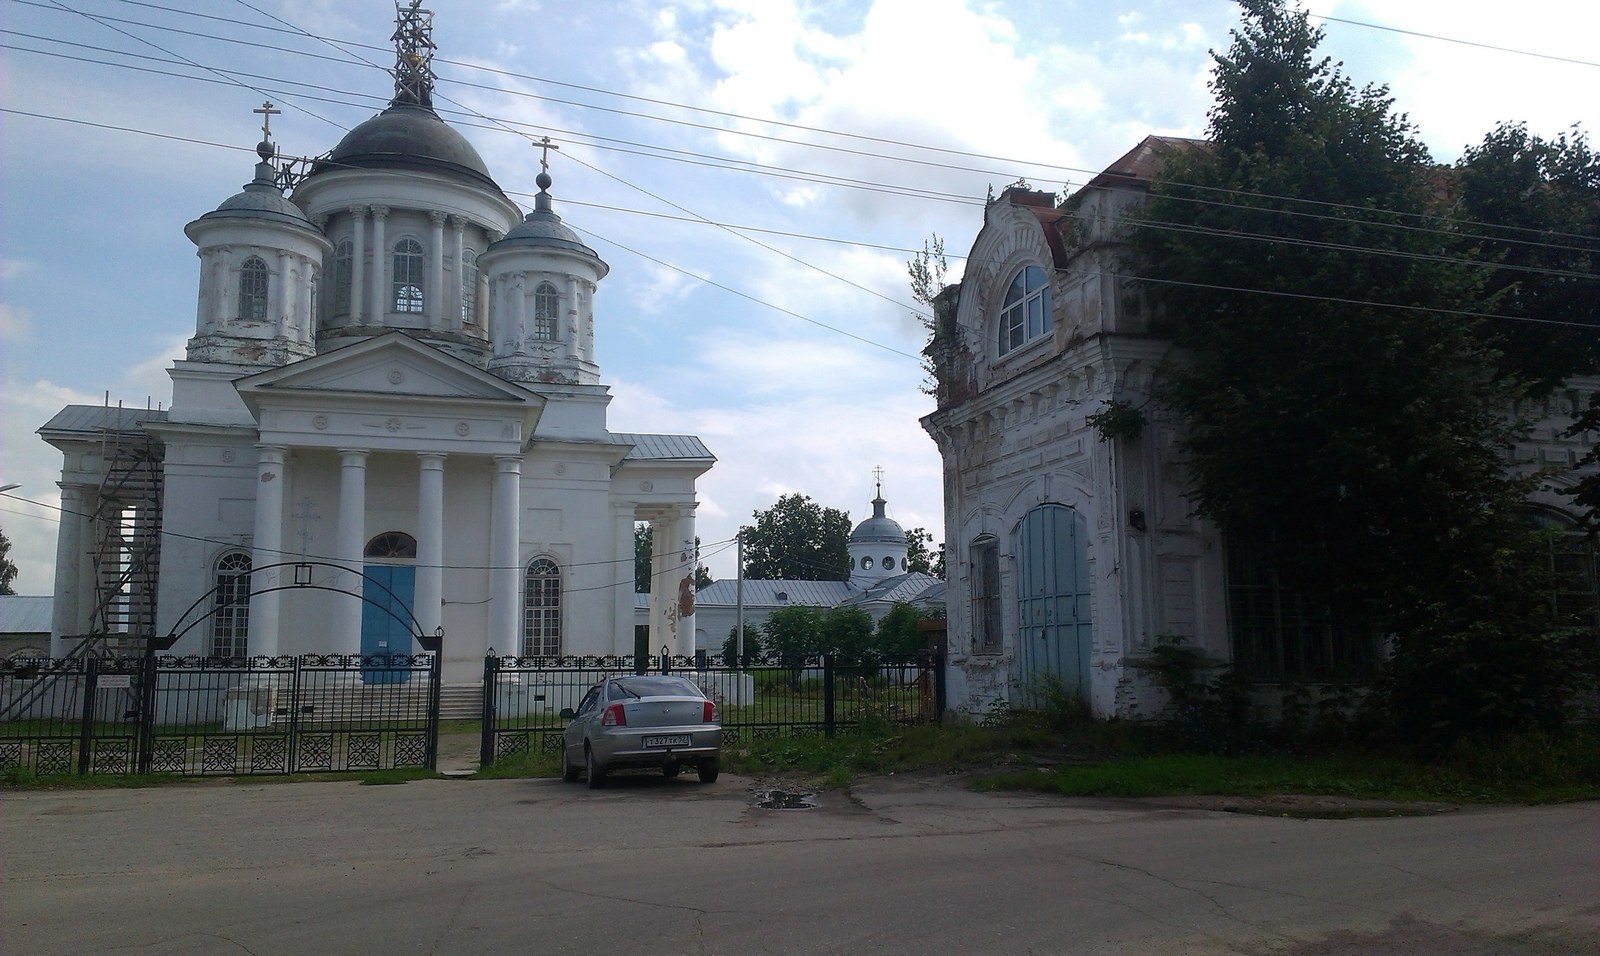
(1445, 39)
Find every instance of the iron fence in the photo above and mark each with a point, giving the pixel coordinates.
(197, 716)
(758, 699)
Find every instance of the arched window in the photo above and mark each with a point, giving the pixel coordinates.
(253, 289)
(408, 266)
(343, 260)
(230, 602)
(985, 584)
(1025, 314)
(541, 610)
(392, 544)
(469, 287)
(546, 305)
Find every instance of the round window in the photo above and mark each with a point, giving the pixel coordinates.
(866, 564)
(852, 564)
(888, 564)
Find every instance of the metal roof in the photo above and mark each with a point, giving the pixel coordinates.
(913, 587)
(94, 418)
(663, 447)
(25, 614)
(766, 593)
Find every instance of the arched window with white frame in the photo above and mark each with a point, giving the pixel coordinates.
(408, 269)
(546, 306)
(1025, 313)
(253, 281)
(469, 287)
(541, 609)
(230, 604)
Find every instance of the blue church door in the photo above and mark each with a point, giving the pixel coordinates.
(383, 632)
(1053, 603)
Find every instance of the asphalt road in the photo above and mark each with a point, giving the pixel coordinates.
(894, 865)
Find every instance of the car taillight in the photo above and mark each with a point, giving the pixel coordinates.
(613, 717)
(708, 712)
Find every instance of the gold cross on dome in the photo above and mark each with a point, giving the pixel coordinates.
(266, 110)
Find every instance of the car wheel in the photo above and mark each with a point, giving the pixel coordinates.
(569, 771)
(596, 773)
(670, 770)
(708, 771)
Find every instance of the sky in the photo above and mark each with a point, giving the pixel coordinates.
(757, 173)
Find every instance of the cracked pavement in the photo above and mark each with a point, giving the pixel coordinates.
(891, 865)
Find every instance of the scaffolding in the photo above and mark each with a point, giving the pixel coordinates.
(126, 547)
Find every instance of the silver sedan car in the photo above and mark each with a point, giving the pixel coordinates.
(641, 720)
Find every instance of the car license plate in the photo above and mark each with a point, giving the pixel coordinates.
(667, 740)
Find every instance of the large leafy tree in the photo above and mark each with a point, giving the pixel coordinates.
(920, 554)
(799, 539)
(8, 571)
(1345, 401)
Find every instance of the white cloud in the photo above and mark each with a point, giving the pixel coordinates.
(16, 325)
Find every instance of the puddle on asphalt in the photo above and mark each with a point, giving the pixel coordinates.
(785, 800)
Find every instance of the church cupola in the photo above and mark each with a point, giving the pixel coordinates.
(542, 281)
(408, 206)
(260, 258)
(877, 546)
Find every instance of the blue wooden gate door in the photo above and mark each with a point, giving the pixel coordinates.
(1054, 610)
(382, 632)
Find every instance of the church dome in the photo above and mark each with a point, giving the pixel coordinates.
(409, 137)
(261, 199)
(879, 529)
(543, 228)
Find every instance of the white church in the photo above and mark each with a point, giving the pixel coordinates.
(390, 422)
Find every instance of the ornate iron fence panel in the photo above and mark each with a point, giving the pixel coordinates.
(199, 716)
(766, 698)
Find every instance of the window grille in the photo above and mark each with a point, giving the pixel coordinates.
(986, 597)
(1279, 632)
(469, 287)
(546, 305)
(408, 266)
(230, 622)
(541, 610)
(253, 289)
(392, 544)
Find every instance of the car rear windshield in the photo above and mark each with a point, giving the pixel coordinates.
(654, 685)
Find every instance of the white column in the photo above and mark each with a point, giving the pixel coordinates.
(380, 266)
(505, 536)
(308, 300)
(683, 581)
(349, 548)
(358, 267)
(266, 549)
(280, 311)
(574, 320)
(434, 301)
(430, 542)
(452, 312)
(664, 584)
(623, 601)
(65, 619)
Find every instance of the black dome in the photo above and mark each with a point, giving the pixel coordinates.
(408, 137)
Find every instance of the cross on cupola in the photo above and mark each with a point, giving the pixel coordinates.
(545, 146)
(877, 474)
(265, 149)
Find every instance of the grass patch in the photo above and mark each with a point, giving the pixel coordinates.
(516, 766)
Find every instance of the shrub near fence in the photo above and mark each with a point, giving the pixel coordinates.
(206, 715)
(766, 698)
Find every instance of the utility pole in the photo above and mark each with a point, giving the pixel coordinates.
(738, 592)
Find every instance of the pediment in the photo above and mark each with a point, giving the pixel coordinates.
(389, 365)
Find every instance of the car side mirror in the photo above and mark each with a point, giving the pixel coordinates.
(567, 713)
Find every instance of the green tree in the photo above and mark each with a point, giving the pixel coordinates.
(927, 271)
(752, 642)
(847, 633)
(643, 542)
(898, 636)
(794, 633)
(798, 539)
(1359, 444)
(1586, 494)
(920, 555)
(8, 571)
(1531, 206)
